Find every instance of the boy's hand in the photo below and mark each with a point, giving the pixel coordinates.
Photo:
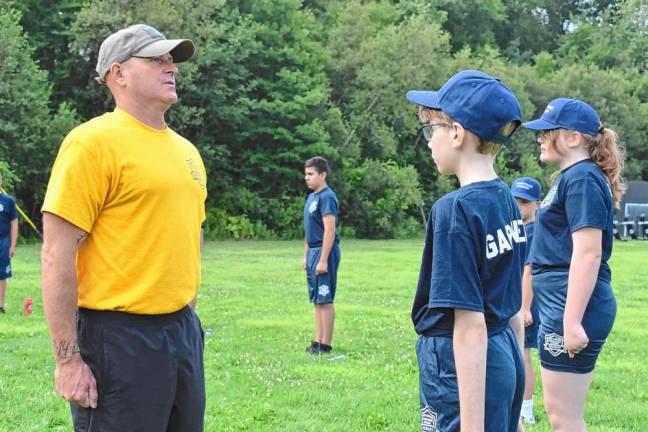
(575, 339)
(527, 317)
(322, 267)
(304, 264)
(12, 251)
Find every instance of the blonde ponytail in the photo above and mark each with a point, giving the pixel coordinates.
(608, 153)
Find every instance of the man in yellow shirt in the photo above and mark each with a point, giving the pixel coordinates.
(121, 253)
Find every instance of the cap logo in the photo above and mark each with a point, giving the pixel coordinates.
(524, 185)
(549, 108)
(153, 33)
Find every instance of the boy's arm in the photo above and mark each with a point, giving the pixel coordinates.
(583, 272)
(327, 243)
(305, 254)
(527, 296)
(13, 237)
(518, 329)
(470, 344)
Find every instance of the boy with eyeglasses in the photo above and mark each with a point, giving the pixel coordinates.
(469, 291)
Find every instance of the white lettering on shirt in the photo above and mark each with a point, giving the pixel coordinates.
(511, 233)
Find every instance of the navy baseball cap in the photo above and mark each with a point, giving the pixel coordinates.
(526, 188)
(481, 103)
(566, 113)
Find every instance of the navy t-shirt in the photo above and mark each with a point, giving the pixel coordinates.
(473, 259)
(7, 214)
(318, 205)
(580, 197)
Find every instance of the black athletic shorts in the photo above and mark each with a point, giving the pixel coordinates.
(149, 372)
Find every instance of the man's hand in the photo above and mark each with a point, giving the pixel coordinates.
(322, 267)
(304, 264)
(12, 251)
(576, 339)
(527, 317)
(75, 382)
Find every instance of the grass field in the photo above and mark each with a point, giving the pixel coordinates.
(253, 304)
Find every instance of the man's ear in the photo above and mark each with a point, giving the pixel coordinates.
(116, 74)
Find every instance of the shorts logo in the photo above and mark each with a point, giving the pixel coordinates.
(548, 199)
(8, 269)
(554, 344)
(428, 420)
(1, 207)
(312, 207)
(323, 290)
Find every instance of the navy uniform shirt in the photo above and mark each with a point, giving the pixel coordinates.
(473, 259)
(580, 197)
(318, 205)
(7, 214)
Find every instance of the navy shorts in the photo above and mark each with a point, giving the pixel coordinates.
(5, 261)
(149, 371)
(439, 394)
(598, 320)
(321, 288)
(554, 357)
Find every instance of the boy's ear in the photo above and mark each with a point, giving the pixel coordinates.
(457, 135)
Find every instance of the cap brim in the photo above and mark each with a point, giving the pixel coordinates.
(426, 98)
(540, 124)
(524, 196)
(181, 49)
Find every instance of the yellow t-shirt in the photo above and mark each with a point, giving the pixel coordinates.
(140, 194)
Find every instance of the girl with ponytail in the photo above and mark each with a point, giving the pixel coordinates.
(571, 247)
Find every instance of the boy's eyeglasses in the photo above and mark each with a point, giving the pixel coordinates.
(428, 129)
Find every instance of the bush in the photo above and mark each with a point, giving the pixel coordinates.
(219, 226)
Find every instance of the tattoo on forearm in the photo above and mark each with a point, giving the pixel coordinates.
(81, 237)
(66, 348)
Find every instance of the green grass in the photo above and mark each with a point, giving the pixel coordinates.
(254, 303)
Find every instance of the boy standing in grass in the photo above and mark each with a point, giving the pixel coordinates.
(469, 290)
(527, 191)
(321, 251)
(8, 237)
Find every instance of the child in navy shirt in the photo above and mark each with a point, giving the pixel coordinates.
(321, 251)
(8, 237)
(571, 248)
(469, 291)
(527, 191)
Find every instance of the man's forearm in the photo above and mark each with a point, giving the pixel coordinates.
(60, 303)
(61, 240)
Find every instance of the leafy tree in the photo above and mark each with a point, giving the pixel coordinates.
(29, 131)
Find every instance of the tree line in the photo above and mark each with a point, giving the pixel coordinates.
(275, 82)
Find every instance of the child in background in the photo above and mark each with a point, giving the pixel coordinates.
(527, 191)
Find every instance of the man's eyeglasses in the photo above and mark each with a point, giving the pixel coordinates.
(428, 129)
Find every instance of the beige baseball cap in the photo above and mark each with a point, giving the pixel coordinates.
(140, 40)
